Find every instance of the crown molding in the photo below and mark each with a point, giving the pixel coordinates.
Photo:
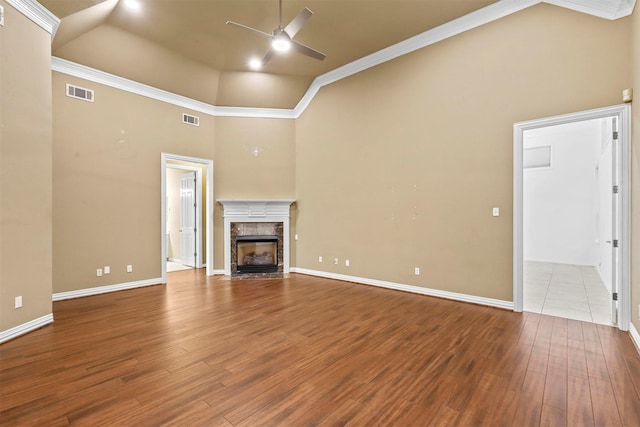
(37, 13)
(609, 9)
(91, 74)
(467, 22)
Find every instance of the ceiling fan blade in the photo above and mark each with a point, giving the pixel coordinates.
(267, 57)
(253, 30)
(294, 26)
(306, 50)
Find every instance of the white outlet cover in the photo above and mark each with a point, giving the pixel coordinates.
(129, 268)
(496, 211)
(417, 271)
(18, 303)
(319, 259)
(99, 272)
(346, 263)
(335, 261)
(107, 270)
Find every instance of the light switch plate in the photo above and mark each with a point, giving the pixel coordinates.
(496, 211)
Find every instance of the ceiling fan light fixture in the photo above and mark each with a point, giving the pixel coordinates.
(281, 43)
(132, 4)
(255, 64)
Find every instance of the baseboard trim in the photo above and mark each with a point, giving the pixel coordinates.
(635, 336)
(221, 271)
(32, 325)
(508, 305)
(104, 289)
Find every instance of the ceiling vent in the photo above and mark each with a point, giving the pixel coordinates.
(190, 120)
(79, 93)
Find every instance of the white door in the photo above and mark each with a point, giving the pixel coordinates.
(188, 218)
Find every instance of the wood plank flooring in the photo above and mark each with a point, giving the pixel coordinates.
(306, 351)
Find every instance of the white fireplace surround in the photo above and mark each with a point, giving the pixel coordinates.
(255, 211)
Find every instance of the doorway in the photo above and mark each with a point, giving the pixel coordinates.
(186, 213)
(567, 220)
(573, 245)
(184, 230)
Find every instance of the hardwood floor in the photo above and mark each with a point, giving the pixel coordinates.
(306, 351)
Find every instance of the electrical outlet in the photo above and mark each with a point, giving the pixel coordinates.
(319, 259)
(335, 261)
(346, 263)
(99, 272)
(129, 268)
(496, 212)
(107, 270)
(295, 236)
(416, 271)
(18, 302)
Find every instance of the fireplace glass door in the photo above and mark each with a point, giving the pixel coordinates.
(257, 254)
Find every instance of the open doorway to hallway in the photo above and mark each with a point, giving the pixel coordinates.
(186, 213)
(619, 192)
(568, 220)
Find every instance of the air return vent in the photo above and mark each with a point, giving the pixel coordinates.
(79, 93)
(190, 120)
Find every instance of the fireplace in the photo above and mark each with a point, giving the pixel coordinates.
(255, 231)
(256, 254)
(256, 249)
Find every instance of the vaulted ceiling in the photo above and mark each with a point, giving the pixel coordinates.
(95, 32)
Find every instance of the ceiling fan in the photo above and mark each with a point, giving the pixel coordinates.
(282, 37)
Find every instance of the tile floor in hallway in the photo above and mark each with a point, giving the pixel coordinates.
(176, 266)
(569, 291)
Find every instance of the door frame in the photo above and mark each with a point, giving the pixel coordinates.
(623, 113)
(164, 157)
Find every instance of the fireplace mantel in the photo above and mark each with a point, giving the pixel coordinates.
(255, 210)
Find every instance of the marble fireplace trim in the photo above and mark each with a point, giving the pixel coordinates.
(255, 211)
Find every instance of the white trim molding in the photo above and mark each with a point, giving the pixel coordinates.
(32, 325)
(611, 9)
(256, 210)
(607, 9)
(635, 336)
(623, 113)
(96, 76)
(38, 14)
(105, 289)
(507, 305)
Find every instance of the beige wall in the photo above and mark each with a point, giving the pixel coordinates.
(399, 166)
(107, 177)
(256, 160)
(635, 175)
(25, 170)
(106, 181)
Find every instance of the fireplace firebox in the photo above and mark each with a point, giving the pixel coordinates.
(257, 254)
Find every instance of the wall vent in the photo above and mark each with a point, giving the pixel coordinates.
(79, 93)
(190, 120)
